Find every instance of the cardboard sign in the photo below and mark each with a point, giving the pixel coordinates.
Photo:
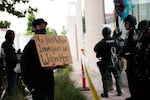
(53, 50)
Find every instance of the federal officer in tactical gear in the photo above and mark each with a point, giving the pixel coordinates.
(142, 63)
(106, 50)
(121, 43)
(129, 52)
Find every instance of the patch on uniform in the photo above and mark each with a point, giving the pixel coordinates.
(110, 41)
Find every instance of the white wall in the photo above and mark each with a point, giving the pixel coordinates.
(75, 34)
(94, 14)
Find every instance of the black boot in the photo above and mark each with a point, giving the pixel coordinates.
(105, 95)
(119, 93)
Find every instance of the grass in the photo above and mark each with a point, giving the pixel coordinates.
(64, 87)
(18, 94)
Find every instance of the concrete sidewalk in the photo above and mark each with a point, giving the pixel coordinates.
(76, 76)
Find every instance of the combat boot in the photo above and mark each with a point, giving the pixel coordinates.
(105, 95)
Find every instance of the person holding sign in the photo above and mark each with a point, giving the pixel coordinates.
(39, 80)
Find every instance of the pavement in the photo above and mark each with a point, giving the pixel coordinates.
(76, 76)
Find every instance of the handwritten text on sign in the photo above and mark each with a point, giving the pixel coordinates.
(53, 50)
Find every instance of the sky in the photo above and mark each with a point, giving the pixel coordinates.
(53, 11)
(109, 6)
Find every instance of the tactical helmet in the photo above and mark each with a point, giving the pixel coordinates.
(131, 19)
(106, 31)
(143, 25)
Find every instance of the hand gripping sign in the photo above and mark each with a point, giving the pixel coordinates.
(53, 50)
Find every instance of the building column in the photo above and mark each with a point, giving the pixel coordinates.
(94, 16)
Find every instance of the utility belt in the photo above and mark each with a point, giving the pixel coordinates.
(105, 64)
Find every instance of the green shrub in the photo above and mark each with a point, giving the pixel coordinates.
(64, 87)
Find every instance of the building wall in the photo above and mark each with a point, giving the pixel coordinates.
(141, 11)
(94, 17)
(94, 14)
(72, 36)
(75, 34)
(79, 27)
